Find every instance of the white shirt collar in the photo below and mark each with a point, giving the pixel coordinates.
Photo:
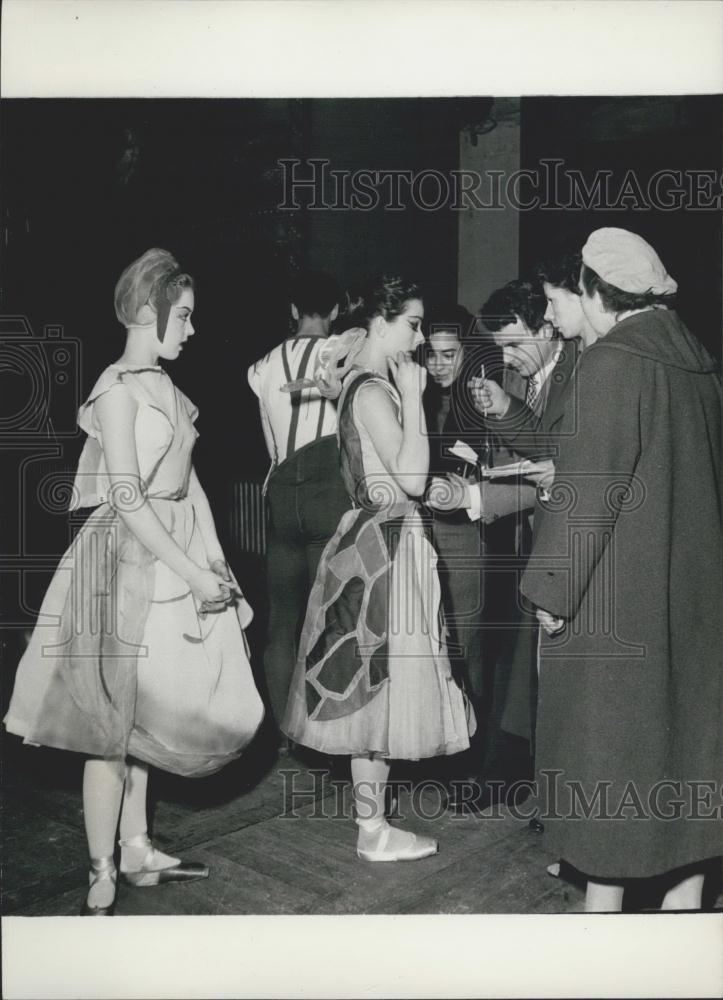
(542, 374)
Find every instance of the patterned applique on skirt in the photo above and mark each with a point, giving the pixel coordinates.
(373, 674)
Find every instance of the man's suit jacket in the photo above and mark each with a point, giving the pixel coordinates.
(532, 433)
(461, 422)
(529, 432)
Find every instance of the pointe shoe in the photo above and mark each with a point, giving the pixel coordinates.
(150, 874)
(101, 869)
(414, 849)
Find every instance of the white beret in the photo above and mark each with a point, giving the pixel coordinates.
(625, 260)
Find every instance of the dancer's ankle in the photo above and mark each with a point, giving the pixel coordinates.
(372, 824)
(138, 853)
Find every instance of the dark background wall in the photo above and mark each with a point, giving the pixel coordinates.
(89, 185)
(388, 135)
(645, 135)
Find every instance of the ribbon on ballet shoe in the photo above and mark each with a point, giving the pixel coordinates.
(398, 845)
(101, 870)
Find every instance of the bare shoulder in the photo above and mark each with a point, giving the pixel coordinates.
(116, 403)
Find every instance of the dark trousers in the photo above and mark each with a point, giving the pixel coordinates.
(460, 552)
(460, 564)
(520, 707)
(512, 636)
(307, 499)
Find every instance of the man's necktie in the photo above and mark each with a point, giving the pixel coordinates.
(533, 390)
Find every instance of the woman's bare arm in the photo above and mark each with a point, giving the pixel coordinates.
(404, 450)
(116, 412)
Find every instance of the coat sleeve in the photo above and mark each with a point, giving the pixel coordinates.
(593, 474)
(528, 434)
(519, 419)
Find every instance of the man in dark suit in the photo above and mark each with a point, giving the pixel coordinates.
(530, 428)
(541, 364)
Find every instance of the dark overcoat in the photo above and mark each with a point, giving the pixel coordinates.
(628, 552)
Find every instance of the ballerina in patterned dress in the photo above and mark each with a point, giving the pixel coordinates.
(373, 679)
(138, 656)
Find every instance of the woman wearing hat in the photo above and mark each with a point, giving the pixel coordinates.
(138, 656)
(625, 572)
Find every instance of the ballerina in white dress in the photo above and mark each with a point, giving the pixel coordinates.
(373, 678)
(138, 656)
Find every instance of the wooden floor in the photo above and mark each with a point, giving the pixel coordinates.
(263, 860)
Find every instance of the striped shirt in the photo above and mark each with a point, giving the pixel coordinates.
(291, 420)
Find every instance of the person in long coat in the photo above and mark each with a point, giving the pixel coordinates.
(626, 575)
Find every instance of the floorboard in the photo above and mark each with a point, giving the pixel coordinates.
(267, 857)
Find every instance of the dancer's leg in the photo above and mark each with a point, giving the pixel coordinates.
(134, 813)
(102, 794)
(288, 593)
(603, 897)
(136, 850)
(369, 778)
(378, 841)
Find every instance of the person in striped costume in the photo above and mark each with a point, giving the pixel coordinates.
(304, 489)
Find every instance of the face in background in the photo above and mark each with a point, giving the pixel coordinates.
(564, 311)
(595, 313)
(404, 332)
(523, 350)
(444, 356)
(179, 327)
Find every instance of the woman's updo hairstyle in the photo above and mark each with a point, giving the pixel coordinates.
(384, 296)
(154, 280)
(615, 300)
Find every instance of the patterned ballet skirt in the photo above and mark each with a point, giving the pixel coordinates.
(120, 663)
(373, 675)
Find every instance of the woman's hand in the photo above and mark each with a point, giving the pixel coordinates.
(550, 624)
(489, 399)
(220, 566)
(541, 473)
(450, 493)
(210, 589)
(409, 377)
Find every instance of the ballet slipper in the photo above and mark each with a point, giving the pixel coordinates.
(390, 844)
(101, 870)
(153, 867)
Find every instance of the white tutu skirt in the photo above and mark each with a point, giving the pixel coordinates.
(120, 663)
